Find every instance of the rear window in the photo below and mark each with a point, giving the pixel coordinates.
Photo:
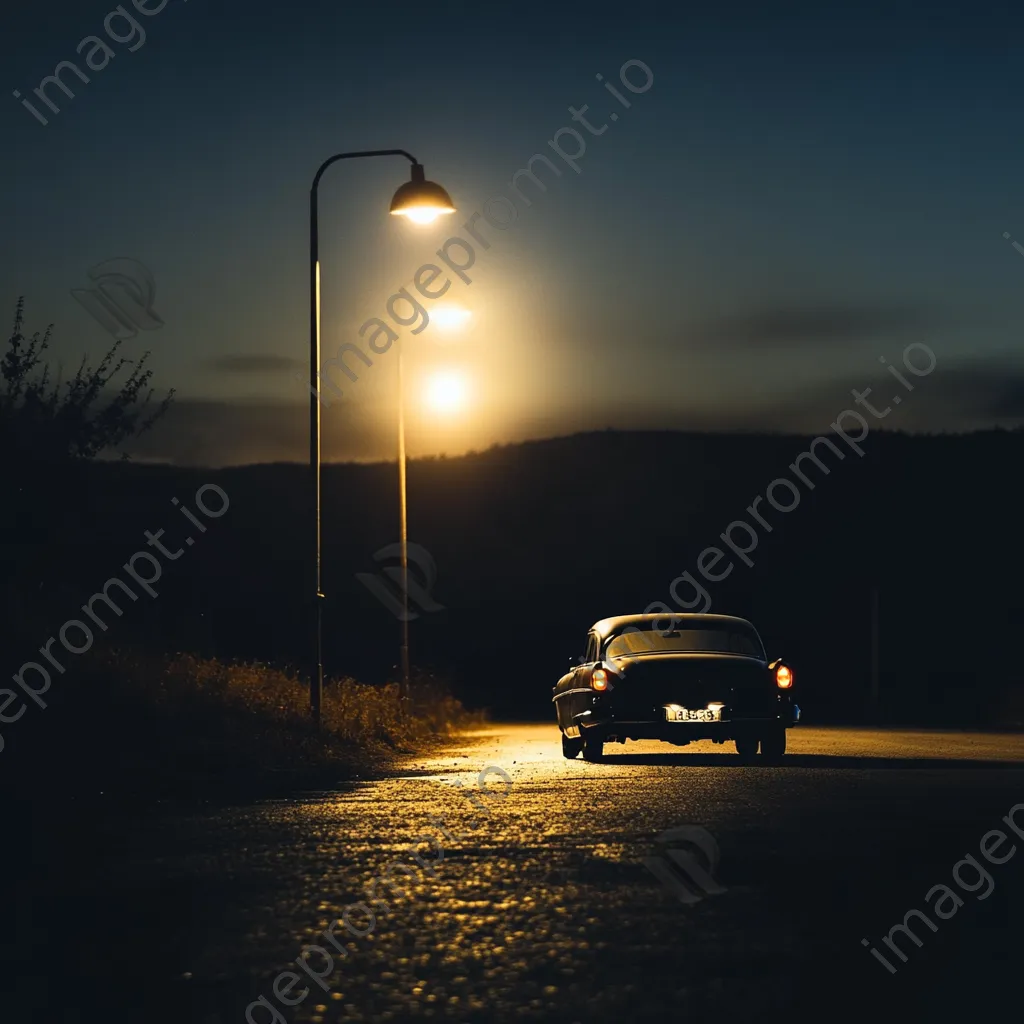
(680, 641)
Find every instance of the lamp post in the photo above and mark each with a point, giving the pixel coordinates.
(403, 529)
(421, 201)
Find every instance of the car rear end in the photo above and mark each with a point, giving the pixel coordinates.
(684, 697)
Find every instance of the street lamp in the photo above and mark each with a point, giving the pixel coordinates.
(422, 202)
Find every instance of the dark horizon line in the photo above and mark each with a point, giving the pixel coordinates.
(738, 433)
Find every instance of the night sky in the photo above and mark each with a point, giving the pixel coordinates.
(800, 192)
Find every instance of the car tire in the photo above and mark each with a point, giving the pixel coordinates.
(571, 748)
(746, 747)
(593, 747)
(773, 745)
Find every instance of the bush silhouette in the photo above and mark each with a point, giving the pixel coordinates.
(46, 420)
(50, 428)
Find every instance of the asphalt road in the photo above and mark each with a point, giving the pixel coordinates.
(542, 908)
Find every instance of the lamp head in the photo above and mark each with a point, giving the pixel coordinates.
(420, 200)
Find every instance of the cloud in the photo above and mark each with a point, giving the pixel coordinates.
(221, 433)
(958, 395)
(252, 363)
(795, 326)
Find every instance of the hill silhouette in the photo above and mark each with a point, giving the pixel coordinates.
(533, 542)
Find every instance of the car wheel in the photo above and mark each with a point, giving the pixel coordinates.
(773, 745)
(571, 748)
(746, 747)
(593, 747)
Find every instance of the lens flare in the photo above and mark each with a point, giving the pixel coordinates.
(450, 317)
(447, 392)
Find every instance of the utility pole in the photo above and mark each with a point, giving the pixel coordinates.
(875, 701)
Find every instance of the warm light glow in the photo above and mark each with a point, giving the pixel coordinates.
(784, 677)
(450, 317)
(421, 214)
(599, 680)
(447, 392)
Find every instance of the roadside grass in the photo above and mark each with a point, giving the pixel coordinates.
(191, 726)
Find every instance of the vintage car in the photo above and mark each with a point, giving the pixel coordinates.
(681, 678)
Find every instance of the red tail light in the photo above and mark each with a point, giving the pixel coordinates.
(783, 677)
(599, 679)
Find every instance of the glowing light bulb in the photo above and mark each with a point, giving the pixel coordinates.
(422, 214)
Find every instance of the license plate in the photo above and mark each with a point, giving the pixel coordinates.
(675, 713)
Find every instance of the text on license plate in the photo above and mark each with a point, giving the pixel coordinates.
(675, 713)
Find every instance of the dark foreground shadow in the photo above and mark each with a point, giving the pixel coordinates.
(810, 761)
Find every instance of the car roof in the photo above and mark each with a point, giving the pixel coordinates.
(689, 620)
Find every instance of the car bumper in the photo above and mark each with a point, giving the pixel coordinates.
(733, 724)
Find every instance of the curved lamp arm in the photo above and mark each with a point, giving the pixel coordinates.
(313, 231)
